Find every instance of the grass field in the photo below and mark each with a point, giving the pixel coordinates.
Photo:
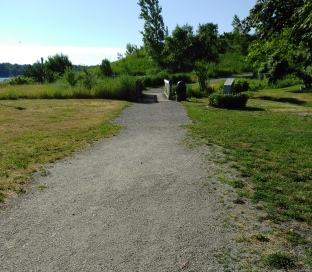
(34, 132)
(270, 144)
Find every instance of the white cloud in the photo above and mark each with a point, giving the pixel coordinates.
(26, 54)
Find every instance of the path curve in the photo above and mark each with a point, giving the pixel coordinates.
(133, 202)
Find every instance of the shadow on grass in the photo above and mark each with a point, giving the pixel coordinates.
(17, 108)
(253, 109)
(283, 100)
(302, 91)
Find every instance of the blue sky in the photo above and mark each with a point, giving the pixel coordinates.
(89, 31)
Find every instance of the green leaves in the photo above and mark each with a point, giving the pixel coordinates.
(154, 28)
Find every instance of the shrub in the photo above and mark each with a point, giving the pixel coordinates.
(228, 101)
(21, 80)
(241, 85)
(70, 76)
(194, 92)
(279, 260)
(186, 77)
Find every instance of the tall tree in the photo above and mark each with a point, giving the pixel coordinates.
(178, 48)
(284, 28)
(106, 68)
(236, 24)
(269, 17)
(206, 43)
(154, 28)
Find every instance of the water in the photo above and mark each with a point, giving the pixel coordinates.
(3, 78)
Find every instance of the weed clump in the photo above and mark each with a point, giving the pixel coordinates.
(279, 260)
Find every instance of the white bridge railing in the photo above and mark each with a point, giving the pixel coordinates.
(168, 88)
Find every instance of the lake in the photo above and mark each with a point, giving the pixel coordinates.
(3, 79)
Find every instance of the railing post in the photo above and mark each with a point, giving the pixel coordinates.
(168, 88)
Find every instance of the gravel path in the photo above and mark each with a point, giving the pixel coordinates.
(134, 202)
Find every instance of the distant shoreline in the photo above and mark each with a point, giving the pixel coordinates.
(3, 79)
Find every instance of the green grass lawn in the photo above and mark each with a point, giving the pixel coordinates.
(270, 143)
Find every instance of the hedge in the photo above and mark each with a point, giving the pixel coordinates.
(228, 101)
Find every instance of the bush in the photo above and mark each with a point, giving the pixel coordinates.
(194, 92)
(70, 76)
(228, 101)
(279, 260)
(241, 85)
(21, 80)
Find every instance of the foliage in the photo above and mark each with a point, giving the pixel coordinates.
(303, 18)
(279, 260)
(274, 69)
(50, 70)
(154, 28)
(241, 85)
(178, 48)
(206, 43)
(194, 92)
(36, 72)
(156, 80)
(58, 64)
(285, 35)
(269, 17)
(130, 49)
(9, 70)
(201, 71)
(21, 80)
(228, 101)
(135, 64)
(70, 76)
(87, 78)
(106, 68)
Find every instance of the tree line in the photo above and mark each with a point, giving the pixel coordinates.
(280, 46)
(184, 47)
(11, 70)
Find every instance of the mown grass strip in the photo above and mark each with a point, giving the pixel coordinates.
(271, 142)
(34, 132)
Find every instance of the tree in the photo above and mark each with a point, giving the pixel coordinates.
(201, 71)
(154, 28)
(236, 23)
(105, 68)
(206, 43)
(36, 72)
(284, 28)
(130, 49)
(119, 55)
(178, 48)
(269, 17)
(302, 30)
(58, 64)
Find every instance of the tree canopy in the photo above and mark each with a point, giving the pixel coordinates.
(284, 46)
(154, 28)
